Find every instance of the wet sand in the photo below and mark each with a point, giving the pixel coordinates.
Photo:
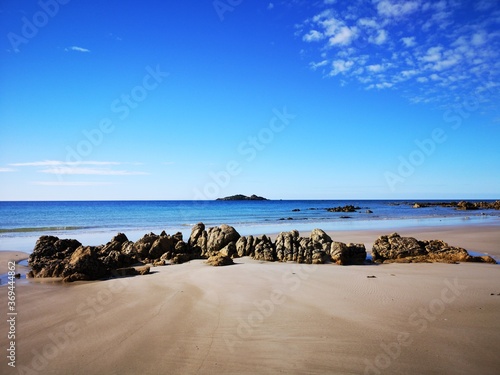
(270, 318)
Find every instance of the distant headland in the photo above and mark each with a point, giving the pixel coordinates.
(241, 197)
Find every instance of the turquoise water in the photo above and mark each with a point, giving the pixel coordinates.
(95, 222)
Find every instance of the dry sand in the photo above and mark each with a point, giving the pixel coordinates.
(269, 318)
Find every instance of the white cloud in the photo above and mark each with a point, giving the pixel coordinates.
(409, 41)
(46, 163)
(344, 36)
(341, 66)
(384, 44)
(390, 8)
(376, 68)
(380, 86)
(313, 36)
(3, 170)
(479, 38)
(368, 22)
(77, 49)
(317, 65)
(433, 54)
(70, 183)
(380, 38)
(90, 171)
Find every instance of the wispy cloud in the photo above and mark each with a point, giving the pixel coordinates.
(70, 183)
(98, 168)
(90, 171)
(77, 49)
(426, 49)
(45, 163)
(6, 170)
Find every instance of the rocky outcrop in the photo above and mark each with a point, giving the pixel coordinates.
(347, 254)
(241, 197)
(462, 205)
(347, 208)
(264, 249)
(394, 248)
(221, 239)
(69, 260)
(205, 243)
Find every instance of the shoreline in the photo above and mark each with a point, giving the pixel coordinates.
(271, 317)
(374, 226)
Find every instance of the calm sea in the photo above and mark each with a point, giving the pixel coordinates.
(95, 222)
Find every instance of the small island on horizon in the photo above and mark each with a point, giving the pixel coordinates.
(241, 197)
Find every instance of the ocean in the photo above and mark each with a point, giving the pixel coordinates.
(96, 222)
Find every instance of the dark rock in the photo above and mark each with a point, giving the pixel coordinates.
(347, 208)
(198, 240)
(347, 254)
(296, 210)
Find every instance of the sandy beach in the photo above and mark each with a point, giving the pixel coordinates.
(269, 318)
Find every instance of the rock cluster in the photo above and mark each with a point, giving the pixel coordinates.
(70, 260)
(318, 248)
(347, 208)
(394, 248)
(462, 205)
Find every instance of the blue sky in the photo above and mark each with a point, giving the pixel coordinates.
(286, 99)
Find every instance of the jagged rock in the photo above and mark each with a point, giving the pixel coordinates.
(143, 245)
(264, 249)
(287, 246)
(220, 260)
(220, 237)
(85, 261)
(394, 248)
(245, 246)
(347, 254)
(318, 235)
(50, 256)
(198, 239)
(291, 247)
